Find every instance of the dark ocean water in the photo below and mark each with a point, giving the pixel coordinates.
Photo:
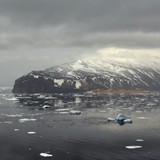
(30, 131)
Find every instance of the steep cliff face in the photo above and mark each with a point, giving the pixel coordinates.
(86, 75)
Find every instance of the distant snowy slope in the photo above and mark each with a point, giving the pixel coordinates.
(91, 74)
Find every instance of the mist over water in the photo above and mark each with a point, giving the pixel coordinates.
(39, 126)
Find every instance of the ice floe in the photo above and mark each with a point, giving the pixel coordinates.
(31, 132)
(46, 106)
(12, 115)
(133, 147)
(139, 140)
(62, 110)
(26, 120)
(75, 112)
(16, 129)
(46, 155)
(12, 99)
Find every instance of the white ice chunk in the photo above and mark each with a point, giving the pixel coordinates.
(139, 140)
(74, 112)
(133, 147)
(31, 132)
(46, 155)
(62, 110)
(12, 99)
(46, 106)
(26, 120)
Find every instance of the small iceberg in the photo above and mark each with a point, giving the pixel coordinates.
(46, 107)
(74, 112)
(133, 147)
(120, 119)
(31, 132)
(46, 155)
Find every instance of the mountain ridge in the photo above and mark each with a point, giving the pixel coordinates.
(91, 74)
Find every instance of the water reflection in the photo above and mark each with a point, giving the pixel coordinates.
(132, 102)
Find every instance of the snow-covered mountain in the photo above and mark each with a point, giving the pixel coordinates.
(92, 74)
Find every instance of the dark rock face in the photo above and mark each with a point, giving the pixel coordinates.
(84, 76)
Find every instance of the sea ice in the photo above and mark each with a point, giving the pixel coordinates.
(133, 147)
(46, 155)
(26, 120)
(139, 140)
(74, 112)
(46, 106)
(31, 132)
(62, 110)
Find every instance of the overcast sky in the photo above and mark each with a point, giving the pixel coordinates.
(36, 34)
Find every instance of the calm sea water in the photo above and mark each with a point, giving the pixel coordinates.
(43, 128)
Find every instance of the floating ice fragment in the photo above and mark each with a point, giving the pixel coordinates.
(12, 99)
(16, 130)
(120, 119)
(12, 115)
(139, 140)
(63, 112)
(46, 106)
(31, 132)
(62, 109)
(133, 147)
(46, 155)
(74, 112)
(26, 120)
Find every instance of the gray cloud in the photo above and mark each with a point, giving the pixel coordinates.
(78, 23)
(35, 34)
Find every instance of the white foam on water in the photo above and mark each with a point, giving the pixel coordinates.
(46, 155)
(31, 132)
(26, 120)
(133, 147)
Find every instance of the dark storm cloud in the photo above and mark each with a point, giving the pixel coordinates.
(82, 23)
